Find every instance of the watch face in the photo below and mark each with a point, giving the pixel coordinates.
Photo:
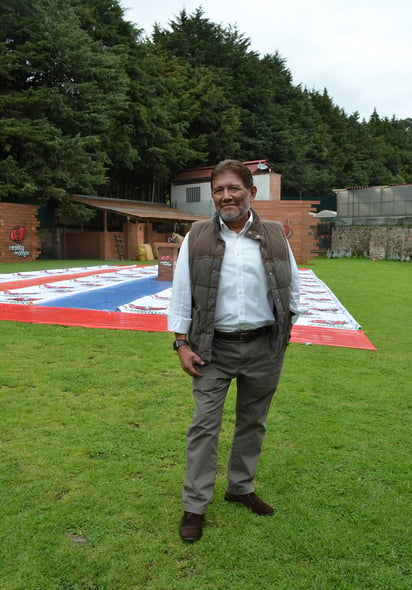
(178, 343)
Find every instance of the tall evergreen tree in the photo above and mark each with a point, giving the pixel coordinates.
(206, 51)
(61, 94)
(392, 143)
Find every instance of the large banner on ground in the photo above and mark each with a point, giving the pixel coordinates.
(131, 297)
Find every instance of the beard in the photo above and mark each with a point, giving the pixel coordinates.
(233, 215)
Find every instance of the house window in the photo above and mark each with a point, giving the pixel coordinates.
(193, 194)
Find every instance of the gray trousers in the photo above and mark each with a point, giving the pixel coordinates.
(256, 368)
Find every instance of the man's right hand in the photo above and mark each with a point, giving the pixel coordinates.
(190, 361)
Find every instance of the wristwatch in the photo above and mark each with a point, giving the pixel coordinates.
(178, 343)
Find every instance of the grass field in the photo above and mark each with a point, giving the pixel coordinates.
(92, 451)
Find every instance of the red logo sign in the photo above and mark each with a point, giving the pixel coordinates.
(18, 234)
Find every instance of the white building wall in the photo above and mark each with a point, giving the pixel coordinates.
(202, 207)
(262, 183)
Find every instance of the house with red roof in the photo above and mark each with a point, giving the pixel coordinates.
(190, 189)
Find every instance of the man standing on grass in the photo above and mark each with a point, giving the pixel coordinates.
(235, 293)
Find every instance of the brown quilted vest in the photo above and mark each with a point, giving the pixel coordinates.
(206, 251)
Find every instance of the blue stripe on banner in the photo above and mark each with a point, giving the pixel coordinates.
(111, 297)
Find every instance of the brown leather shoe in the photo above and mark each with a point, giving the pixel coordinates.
(251, 501)
(191, 526)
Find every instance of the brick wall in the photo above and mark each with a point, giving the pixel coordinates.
(300, 225)
(19, 239)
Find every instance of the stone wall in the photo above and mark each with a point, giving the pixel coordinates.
(392, 242)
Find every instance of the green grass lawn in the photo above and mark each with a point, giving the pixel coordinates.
(92, 451)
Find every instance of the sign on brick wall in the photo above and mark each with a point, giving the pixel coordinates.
(19, 239)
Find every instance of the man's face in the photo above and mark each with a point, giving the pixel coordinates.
(232, 199)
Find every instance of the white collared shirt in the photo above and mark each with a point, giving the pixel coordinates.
(241, 303)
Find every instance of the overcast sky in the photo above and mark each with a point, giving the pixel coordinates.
(360, 50)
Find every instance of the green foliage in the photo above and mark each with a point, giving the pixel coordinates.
(92, 451)
(63, 90)
(194, 38)
(89, 106)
